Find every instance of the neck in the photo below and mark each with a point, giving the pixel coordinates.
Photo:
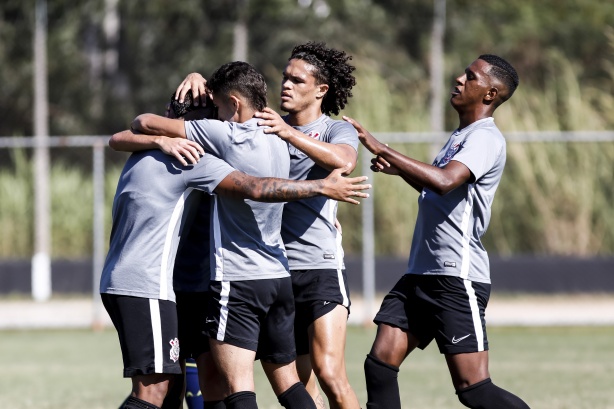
(303, 117)
(467, 118)
(245, 115)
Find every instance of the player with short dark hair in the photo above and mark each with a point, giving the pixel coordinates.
(445, 290)
(148, 220)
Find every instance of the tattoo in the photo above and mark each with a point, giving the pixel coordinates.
(273, 189)
(268, 189)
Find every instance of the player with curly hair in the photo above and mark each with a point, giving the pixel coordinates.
(317, 83)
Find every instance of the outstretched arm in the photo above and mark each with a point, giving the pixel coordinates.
(242, 186)
(182, 149)
(151, 124)
(327, 155)
(418, 174)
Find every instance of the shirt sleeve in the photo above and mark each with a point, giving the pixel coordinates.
(342, 132)
(208, 173)
(480, 152)
(211, 134)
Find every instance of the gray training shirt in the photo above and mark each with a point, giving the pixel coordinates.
(245, 235)
(308, 228)
(148, 220)
(448, 228)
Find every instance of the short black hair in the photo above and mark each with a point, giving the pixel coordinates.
(182, 109)
(242, 78)
(503, 71)
(331, 68)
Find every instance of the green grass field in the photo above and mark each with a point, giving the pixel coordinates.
(551, 368)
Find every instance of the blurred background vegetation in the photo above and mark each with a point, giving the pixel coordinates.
(109, 60)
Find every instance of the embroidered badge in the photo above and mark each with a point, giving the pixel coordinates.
(449, 264)
(174, 349)
(449, 154)
(329, 256)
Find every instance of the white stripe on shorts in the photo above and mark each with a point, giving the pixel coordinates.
(156, 330)
(224, 294)
(475, 314)
(346, 301)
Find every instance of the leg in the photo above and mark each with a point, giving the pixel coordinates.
(308, 377)
(389, 350)
(327, 336)
(211, 383)
(286, 385)
(236, 366)
(471, 379)
(152, 388)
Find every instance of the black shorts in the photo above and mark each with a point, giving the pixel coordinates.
(147, 330)
(316, 293)
(257, 315)
(191, 315)
(449, 309)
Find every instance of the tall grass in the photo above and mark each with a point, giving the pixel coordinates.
(71, 198)
(554, 198)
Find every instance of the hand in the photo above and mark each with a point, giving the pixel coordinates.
(379, 164)
(181, 149)
(373, 145)
(197, 84)
(338, 226)
(275, 122)
(342, 188)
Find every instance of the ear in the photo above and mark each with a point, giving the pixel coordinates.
(491, 95)
(322, 90)
(236, 102)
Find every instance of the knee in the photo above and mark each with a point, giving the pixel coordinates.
(486, 394)
(332, 377)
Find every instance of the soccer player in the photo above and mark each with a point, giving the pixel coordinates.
(148, 219)
(445, 290)
(317, 83)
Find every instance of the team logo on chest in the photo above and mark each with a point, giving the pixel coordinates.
(174, 349)
(450, 154)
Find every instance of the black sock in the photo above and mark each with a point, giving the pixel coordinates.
(135, 403)
(214, 404)
(487, 395)
(296, 397)
(241, 400)
(382, 384)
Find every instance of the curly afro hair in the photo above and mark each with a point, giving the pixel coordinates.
(331, 68)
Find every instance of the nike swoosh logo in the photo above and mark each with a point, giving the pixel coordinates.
(207, 321)
(326, 302)
(457, 340)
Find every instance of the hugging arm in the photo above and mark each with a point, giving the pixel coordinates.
(242, 186)
(327, 155)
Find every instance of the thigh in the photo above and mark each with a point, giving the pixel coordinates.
(460, 311)
(317, 293)
(276, 340)
(234, 313)
(147, 331)
(235, 365)
(328, 336)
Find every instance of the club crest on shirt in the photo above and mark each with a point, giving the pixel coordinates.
(313, 134)
(174, 349)
(450, 154)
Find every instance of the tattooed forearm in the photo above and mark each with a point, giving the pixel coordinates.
(273, 189)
